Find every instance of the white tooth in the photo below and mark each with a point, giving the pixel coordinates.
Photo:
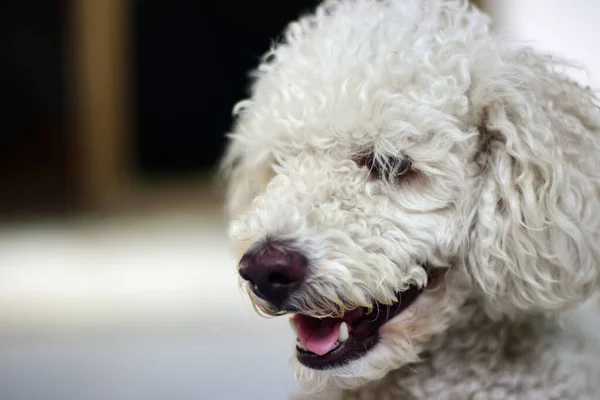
(301, 346)
(343, 332)
(293, 325)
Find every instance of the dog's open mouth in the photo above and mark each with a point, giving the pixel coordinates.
(330, 342)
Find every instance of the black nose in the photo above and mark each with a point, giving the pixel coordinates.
(273, 273)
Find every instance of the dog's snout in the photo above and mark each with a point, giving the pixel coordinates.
(273, 273)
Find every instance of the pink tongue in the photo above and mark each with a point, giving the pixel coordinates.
(318, 335)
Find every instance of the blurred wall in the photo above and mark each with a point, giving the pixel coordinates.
(568, 29)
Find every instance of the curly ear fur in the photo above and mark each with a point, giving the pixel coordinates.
(534, 230)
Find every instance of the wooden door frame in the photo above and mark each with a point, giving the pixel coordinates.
(102, 37)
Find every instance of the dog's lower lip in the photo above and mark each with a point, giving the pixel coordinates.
(364, 335)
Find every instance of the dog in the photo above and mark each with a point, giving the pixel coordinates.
(420, 195)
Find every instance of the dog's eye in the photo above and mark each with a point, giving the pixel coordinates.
(386, 167)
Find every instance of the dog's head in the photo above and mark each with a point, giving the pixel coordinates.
(396, 159)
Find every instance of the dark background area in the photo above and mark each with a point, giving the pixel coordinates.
(34, 129)
(187, 64)
(192, 64)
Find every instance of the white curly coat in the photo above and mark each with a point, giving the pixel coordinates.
(505, 199)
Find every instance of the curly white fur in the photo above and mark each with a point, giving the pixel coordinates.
(506, 198)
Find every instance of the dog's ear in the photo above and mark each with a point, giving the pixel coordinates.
(534, 225)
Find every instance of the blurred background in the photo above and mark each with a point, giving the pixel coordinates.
(116, 278)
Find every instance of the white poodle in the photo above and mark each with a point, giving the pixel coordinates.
(422, 196)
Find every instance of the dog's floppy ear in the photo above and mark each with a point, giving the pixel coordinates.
(534, 225)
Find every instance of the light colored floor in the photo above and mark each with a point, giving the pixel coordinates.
(133, 307)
